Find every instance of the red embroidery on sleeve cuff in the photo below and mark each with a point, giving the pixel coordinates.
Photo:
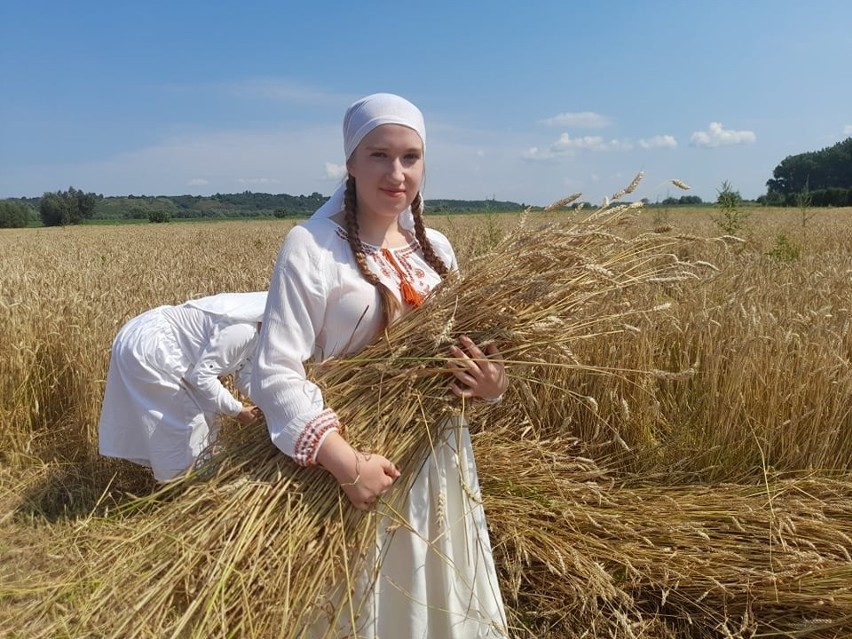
(315, 430)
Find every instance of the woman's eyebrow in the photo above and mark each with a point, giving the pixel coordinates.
(384, 147)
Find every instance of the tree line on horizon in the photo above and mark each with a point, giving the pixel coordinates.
(823, 177)
(74, 206)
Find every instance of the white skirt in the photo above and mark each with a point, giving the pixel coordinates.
(431, 575)
(149, 416)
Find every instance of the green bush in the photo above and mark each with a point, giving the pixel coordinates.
(159, 217)
(731, 218)
(784, 250)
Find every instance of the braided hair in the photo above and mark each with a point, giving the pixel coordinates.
(425, 245)
(390, 305)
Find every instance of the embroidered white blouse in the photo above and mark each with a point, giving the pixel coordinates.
(320, 306)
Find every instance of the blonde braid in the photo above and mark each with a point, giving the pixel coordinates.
(390, 306)
(425, 245)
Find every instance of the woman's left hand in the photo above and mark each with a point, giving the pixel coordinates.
(478, 373)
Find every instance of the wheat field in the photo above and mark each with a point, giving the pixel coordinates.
(678, 467)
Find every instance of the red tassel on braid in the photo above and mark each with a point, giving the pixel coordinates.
(409, 294)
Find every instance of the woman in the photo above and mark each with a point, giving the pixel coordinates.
(163, 394)
(340, 278)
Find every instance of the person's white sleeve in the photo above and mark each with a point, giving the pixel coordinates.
(242, 376)
(225, 350)
(294, 408)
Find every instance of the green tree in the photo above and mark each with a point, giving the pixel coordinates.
(14, 214)
(828, 168)
(67, 207)
(53, 210)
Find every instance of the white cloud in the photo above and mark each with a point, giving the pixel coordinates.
(284, 91)
(583, 120)
(847, 130)
(566, 146)
(567, 143)
(256, 181)
(334, 171)
(592, 143)
(659, 142)
(534, 153)
(716, 135)
(198, 182)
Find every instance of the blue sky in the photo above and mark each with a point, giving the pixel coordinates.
(523, 101)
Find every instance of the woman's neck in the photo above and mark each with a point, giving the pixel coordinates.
(384, 232)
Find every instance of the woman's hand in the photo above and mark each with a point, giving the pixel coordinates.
(363, 477)
(374, 476)
(249, 415)
(477, 373)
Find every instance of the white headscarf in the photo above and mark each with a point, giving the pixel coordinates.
(237, 307)
(362, 117)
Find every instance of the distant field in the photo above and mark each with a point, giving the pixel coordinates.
(760, 356)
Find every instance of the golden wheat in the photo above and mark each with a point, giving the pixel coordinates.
(672, 459)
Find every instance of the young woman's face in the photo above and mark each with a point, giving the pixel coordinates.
(388, 168)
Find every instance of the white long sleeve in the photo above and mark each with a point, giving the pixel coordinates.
(319, 306)
(223, 353)
(242, 376)
(295, 312)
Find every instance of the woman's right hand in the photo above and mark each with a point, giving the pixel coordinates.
(363, 477)
(249, 415)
